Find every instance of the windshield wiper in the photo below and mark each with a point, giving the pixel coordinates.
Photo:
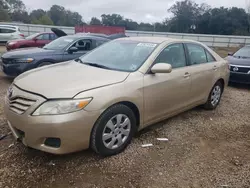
(96, 65)
(92, 64)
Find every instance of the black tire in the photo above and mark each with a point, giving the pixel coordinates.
(44, 64)
(209, 105)
(96, 141)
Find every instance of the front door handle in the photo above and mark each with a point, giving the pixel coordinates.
(186, 75)
(215, 68)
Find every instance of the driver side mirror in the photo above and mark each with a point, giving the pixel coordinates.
(230, 54)
(35, 39)
(161, 68)
(72, 49)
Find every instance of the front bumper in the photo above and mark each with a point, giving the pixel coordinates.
(238, 77)
(10, 47)
(14, 69)
(73, 129)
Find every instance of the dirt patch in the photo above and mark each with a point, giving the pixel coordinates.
(223, 51)
(2, 49)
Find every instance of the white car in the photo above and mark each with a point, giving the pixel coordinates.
(9, 32)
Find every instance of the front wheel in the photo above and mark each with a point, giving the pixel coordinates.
(214, 97)
(113, 131)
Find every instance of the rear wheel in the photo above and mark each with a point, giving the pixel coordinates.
(214, 96)
(113, 131)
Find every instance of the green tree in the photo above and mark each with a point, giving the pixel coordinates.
(37, 14)
(14, 10)
(4, 15)
(185, 15)
(44, 20)
(60, 16)
(20, 16)
(15, 5)
(95, 21)
(57, 14)
(111, 19)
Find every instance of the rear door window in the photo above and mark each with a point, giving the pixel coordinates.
(53, 36)
(6, 30)
(196, 53)
(43, 37)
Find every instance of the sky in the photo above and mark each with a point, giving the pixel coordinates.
(138, 10)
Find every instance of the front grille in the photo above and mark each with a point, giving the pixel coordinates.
(20, 105)
(241, 69)
(7, 60)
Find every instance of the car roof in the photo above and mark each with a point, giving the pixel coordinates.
(77, 36)
(10, 26)
(93, 34)
(157, 40)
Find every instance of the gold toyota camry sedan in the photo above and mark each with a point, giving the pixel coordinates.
(101, 99)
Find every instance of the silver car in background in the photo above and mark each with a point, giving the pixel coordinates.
(9, 32)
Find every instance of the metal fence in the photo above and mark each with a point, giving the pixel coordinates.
(210, 40)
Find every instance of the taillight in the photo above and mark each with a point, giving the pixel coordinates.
(22, 35)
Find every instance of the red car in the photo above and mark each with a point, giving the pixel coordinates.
(35, 40)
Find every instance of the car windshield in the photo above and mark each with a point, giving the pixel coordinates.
(243, 52)
(121, 55)
(59, 43)
(32, 36)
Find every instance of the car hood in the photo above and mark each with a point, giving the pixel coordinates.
(27, 52)
(16, 40)
(238, 61)
(65, 80)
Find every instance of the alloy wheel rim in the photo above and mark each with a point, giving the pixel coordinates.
(216, 94)
(116, 131)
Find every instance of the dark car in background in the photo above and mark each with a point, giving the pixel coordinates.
(62, 49)
(35, 40)
(240, 65)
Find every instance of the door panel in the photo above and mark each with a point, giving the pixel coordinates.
(6, 34)
(203, 78)
(203, 70)
(42, 40)
(165, 93)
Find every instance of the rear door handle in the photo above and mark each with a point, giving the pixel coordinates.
(186, 75)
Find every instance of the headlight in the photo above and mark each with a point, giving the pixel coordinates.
(11, 43)
(57, 107)
(23, 60)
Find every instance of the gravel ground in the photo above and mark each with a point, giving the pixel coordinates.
(205, 149)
